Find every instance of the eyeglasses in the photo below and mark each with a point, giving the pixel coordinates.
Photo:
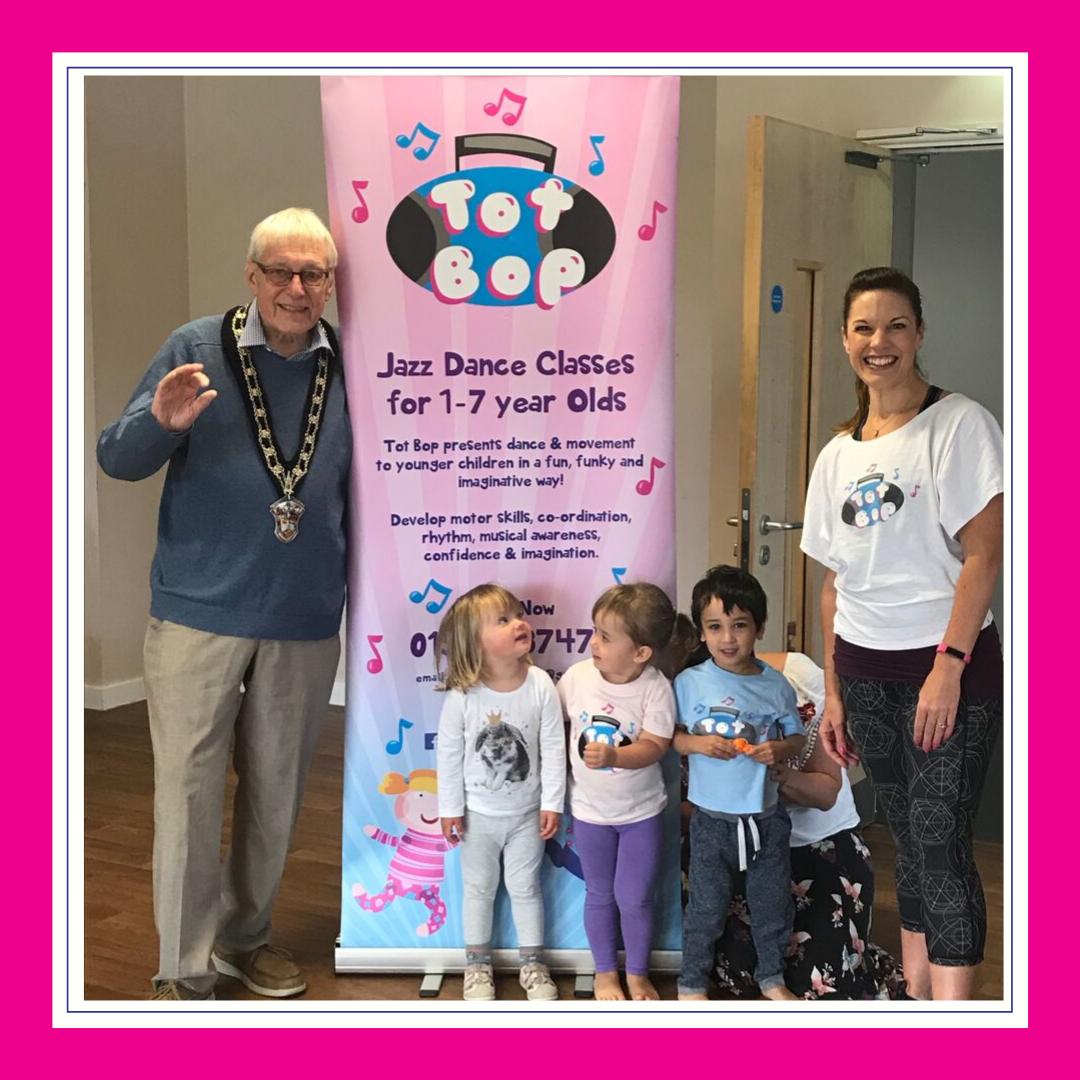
(310, 278)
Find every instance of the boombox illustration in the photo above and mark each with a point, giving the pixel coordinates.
(501, 235)
(873, 500)
(724, 721)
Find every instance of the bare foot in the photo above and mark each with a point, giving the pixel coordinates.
(779, 993)
(641, 988)
(606, 986)
(684, 996)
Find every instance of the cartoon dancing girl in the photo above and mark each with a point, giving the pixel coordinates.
(416, 868)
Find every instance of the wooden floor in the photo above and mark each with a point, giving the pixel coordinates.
(121, 945)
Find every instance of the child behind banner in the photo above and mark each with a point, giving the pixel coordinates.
(737, 717)
(502, 777)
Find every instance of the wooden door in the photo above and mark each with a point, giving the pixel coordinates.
(819, 208)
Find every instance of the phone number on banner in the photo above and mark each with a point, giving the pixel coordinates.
(543, 637)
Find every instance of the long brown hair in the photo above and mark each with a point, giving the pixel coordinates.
(876, 279)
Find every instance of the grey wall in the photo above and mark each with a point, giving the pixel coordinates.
(955, 221)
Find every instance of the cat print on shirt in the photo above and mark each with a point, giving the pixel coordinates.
(501, 748)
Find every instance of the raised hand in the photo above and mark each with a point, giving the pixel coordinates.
(181, 397)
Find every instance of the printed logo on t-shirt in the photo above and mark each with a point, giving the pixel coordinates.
(873, 501)
(601, 729)
(722, 720)
(503, 751)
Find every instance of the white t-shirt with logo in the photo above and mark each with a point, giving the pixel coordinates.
(601, 711)
(884, 515)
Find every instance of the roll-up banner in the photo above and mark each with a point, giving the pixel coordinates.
(506, 294)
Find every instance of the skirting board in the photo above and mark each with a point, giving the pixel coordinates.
(406, 961)
(113, 695)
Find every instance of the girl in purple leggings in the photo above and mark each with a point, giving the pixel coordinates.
(622, 715)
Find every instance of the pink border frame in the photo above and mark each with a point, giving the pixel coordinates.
(273, 26)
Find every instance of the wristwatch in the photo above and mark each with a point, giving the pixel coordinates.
(958, 653)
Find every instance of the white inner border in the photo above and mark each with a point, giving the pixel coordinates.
(70, 1009)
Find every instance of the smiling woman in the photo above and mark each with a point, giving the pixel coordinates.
(904, 511)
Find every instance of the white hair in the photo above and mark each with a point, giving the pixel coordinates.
(295, 223)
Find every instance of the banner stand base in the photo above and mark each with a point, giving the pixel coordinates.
(435, 963)
(584, 986)
(431, 985)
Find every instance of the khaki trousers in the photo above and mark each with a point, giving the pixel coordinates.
(198, 715)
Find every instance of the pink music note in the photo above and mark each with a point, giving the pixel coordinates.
(609, 708)
(915, 491)
(647, 232)
(374, 665)
(434, 606)
(421, 153)
(360, 213)
(644, 487)
(511, 118)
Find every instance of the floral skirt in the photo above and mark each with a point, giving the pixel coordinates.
(830, 956)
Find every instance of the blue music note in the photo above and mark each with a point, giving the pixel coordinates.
(394, 746)
(434, 606)
(617, 573)
(421, 153)
(896, 474)
(596, 168)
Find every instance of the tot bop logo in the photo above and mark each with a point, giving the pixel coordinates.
(874, 500)
(501, 235)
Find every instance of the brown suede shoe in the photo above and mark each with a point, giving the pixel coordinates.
(268, 970)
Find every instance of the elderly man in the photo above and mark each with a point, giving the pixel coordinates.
(248, 585)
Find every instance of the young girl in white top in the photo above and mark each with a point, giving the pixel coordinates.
(622, 715)
(501, 777)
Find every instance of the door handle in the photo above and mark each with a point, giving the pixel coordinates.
(734, 522)
(768, 526)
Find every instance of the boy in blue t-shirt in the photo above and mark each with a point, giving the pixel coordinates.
(737, 718)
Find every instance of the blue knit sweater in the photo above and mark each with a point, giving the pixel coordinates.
(218, 565)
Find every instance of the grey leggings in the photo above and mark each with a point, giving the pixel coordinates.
(930, 801)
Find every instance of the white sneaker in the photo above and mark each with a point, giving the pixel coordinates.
(537, 982)
(479, 983)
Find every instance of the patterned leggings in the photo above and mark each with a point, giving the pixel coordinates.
(428, 895)
(930, 801)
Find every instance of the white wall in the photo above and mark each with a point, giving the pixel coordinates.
(214, 154)
(136, 292)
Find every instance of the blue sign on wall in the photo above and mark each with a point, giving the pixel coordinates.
(777, 298)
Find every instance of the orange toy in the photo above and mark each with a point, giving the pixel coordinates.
(741, 745)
